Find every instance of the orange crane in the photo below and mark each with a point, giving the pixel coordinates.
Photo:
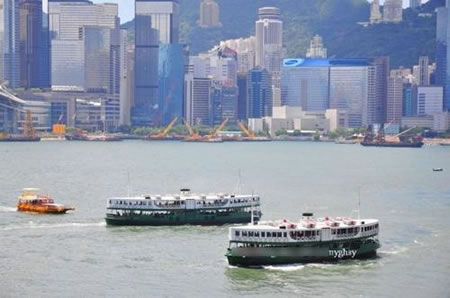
(163, 134)
(217, 130)
(250, 134)
(193, 135)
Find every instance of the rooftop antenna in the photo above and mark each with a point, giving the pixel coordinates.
(239, 182)
(359, 202)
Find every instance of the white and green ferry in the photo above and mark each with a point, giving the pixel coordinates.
(309, 240)
(183, 209)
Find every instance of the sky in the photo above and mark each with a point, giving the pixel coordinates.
(126, 7)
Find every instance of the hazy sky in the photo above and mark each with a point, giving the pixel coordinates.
(126, 7)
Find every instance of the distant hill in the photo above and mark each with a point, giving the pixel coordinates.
(335, 20)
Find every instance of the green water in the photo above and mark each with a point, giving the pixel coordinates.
(78, 255)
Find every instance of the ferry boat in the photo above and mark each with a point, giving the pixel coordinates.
(31, 201)
(309, 240)
(182, 209)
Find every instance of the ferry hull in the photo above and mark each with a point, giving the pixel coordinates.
(394, 145)
(323, 252)
(187, 218)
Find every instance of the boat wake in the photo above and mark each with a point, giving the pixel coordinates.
(393, 251)
(33, 225)
(296, 267)
(7, 209)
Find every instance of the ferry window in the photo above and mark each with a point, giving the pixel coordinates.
(256, 234)
(284, 234)
(263, 234)
(269, 234)
(244, 233)
(236, 233)
(279, 234)
(333, 232)
(318, 233)
(250, 234)
(308, 233)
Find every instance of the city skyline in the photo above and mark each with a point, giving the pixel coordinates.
(126, 7)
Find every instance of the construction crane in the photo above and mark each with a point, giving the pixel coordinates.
(193, 135)
(166, 130)
(250, 134)
(217, 130)
(28, 129)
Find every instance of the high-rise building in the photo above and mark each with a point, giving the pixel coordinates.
(170, 73)
(394, 104)
(305, 83)
(156, 23)
(197, 99)
(209, 14)
(316, 48)
(423, 76)
(377, 99)
(375, 14)
(259, 90)
(269, 39)
(409, 100)
(393, 11)
(11, 43)
(442, 74)
(126, 78)
(242, 96)
(349, 90)
(415, 3)
(84, 46)
(429, 100)
(245, 51)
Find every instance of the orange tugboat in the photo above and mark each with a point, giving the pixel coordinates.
(31, 201)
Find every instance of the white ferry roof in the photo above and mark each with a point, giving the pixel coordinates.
(186, 197)
(303, 224)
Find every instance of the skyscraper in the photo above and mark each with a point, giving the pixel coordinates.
(32, 45)
(259, 88)
(424, 72)
(429, 100)
(304, 83)
(393, 11)
(209, 14)
(156, 22)
(394, 104)
(11, 43)
(443, 52)
(377, 111)
(198, 98)
(269, 39)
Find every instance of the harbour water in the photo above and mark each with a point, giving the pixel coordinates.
(78, 255)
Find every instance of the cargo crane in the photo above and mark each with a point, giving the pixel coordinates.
(250, 134)
(163, 134)
(193, 135)
(213, 135)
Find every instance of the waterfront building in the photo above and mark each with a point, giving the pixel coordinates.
(242, 96)
(375, 14)
(423, 75)
(156, 23)
(305, 83)
(429, 100)
(171, 77)
(393, 11)
(442, 73)
(409, 100)
(394, 106)
(316, 48)
(84, 46)
(126, 78)
(259, 90)
(439, 122)
(377, 106)
(11, 43)
(197, 99)
(269, 39)
(34, 47)
(209, 14)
